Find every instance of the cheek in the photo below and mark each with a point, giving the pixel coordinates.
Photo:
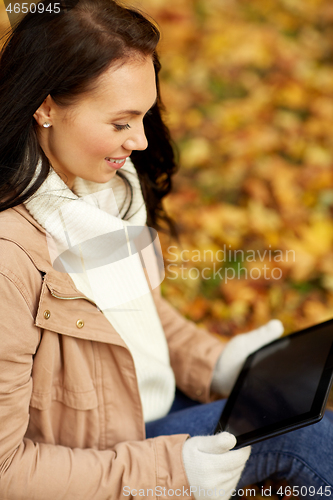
(99, 140)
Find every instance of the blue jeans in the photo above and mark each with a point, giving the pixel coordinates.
(303, 457)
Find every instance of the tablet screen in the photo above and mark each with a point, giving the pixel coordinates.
(281, 384)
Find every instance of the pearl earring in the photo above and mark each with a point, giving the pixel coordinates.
(46, 124)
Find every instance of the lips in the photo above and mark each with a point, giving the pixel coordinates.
(116, 163)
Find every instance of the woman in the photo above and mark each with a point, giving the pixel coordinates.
(90, 352)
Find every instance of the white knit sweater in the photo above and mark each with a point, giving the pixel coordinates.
(100, 252)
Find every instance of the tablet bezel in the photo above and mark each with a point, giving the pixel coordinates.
(314, 415)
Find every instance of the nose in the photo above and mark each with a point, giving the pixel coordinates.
(137, 141)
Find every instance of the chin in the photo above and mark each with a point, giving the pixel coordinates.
(102, 179)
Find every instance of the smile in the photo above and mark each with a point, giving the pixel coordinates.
(116, 163)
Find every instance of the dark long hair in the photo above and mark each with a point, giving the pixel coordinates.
(63, 54)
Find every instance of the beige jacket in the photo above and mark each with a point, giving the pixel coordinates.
(71, 423)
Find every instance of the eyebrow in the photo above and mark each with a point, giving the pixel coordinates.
(132, 112)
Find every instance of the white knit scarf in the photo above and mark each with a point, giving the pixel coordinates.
(103, 253)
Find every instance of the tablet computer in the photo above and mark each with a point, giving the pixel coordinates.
(283, 386)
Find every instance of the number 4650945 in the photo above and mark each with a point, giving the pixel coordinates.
(33, 7)
(303, 491)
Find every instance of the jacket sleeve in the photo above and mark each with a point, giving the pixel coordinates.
(193, 351)
(31, 470)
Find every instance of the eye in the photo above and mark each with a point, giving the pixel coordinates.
(121, 127)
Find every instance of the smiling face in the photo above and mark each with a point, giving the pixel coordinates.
(104, 125)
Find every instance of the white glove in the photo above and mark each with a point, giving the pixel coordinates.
(231, 360)
(209, 465)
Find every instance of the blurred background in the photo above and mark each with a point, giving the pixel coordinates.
(248, 89)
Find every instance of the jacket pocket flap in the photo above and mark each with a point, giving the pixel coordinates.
(78, 400)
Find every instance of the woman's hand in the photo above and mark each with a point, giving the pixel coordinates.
(210, 465)
(237, 350)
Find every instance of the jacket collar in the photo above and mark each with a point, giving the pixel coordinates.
(20, 209)
(32, 239)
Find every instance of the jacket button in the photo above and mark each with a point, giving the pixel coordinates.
(47, 314)
(80, 323)
(198, 392)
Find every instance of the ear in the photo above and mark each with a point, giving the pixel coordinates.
(44, 112)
